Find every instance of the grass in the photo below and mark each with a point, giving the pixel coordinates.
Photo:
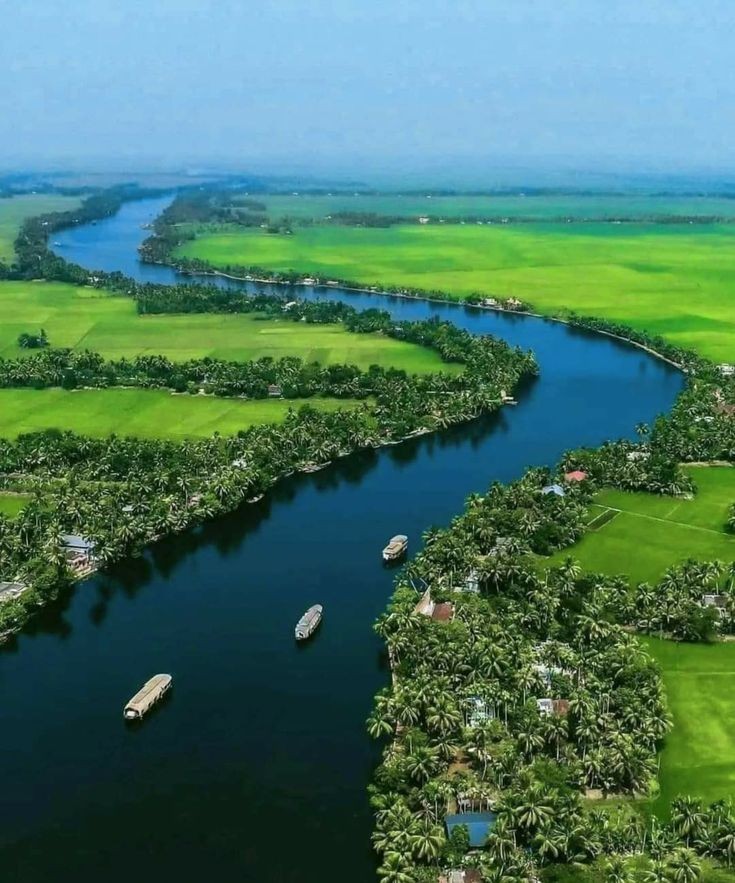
(546, 207)
(84, 318)
(11, 504)
(670, 279)
(648, 533)
(699, 753)
(15, 210)
(139, 412)
(635, 865)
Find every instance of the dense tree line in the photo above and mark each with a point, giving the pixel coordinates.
(33, 258)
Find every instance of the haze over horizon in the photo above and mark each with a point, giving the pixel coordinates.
(353, 85)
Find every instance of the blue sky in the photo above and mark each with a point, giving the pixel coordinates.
(413, 82)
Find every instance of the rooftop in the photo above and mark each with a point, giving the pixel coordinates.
(554, 489)
(478, 825)
(72, 541)
(9, 591)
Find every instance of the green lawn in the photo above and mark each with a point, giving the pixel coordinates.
(85, 318)
(140, 412)
(15, 210)
(649, 533)
(676, 280)
(11, 504)
(699, 753)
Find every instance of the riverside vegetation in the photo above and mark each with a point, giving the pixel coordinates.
(666, 272)
(462, 716)
(121, 493)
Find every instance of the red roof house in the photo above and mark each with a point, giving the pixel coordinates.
(576, 475)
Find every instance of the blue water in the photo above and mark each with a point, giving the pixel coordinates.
(256, 768)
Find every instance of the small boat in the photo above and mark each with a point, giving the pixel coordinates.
(395, 548)
(255, 499)
(149, 694)
(308, 623)
(314, 467)
(57, 244)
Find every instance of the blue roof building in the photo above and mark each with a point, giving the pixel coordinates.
(554, 489)
(479, 825)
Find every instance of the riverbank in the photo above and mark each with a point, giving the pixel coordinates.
(216, 605)
(640, 278)
(577, 322)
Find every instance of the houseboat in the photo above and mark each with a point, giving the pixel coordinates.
(395, 548)
(308, 623)
(149, 694)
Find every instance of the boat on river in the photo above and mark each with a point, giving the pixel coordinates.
(395, 548)
(309, 622)
(149, 695)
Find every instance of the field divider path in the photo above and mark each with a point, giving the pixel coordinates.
(668, 521)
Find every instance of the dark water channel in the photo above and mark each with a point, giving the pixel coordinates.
(255, 768)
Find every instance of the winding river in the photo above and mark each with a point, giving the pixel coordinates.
(256, 768)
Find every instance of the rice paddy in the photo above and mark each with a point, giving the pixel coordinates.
(11, 504)
(675, 280)
(15, 210)
(84, 318)
(643, 534)
(142, 413)
(699, 753)
(543, 207)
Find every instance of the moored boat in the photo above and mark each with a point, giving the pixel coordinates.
(149, 694)
(309, 622)
(395, 548)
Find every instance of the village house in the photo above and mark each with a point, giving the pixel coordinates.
(478, 824)
(554, 489)
(460, 875)
(547, 707)
(441, 612)
(471, 583)
(719, 602)
(478, 711)
(575, 475)
(11, 591)
(79, 551)
(726, 370)
(274, 391)
(423, 220)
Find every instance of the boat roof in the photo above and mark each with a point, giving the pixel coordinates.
(141, 697)
(399, 538)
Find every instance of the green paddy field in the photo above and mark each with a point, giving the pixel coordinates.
(539, 207)
(143, 413)
(11, 504)
(84, 318)
(699, 753)
(677, 280)
(648, 533)
(15, 210)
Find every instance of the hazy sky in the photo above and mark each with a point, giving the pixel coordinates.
(322, 82)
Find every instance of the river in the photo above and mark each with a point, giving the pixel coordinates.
(256, 767)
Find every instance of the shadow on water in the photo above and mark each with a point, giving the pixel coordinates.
(258, 769)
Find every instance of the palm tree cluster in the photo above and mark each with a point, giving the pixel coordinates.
(693, 601)
(491, 367)
(525, 636)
